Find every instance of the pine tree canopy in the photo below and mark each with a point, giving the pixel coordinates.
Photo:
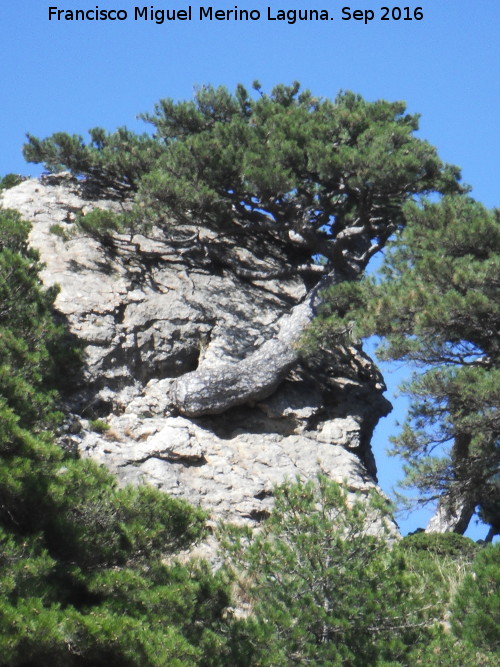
(326, 586)
(435, 304)
(312, 186)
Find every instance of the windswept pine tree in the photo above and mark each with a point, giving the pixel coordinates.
(312, 188)
(436, 306)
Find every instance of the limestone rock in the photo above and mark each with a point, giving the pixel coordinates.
(196, 371)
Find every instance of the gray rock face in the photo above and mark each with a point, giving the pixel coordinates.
(195, 371)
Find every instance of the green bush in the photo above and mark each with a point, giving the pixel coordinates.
(445, 650)
(476, 607)
(99, 426)
(442, 544)
(82, 578)
(324, 584)
(100, 223)
(10, 181)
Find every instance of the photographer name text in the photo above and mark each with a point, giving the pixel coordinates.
(160, 16)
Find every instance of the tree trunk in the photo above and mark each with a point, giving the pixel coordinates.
(217, 384)
(214, 388)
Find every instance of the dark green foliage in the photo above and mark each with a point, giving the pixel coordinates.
(324, 588)
(30, 341)
(114, 160)
(469, 630)
(436, 305)
(448, 651)
(292, 176)
(442, 544)
(81, 576)
(99, 526)
(99, 426)
(476, 608)
(101, 224)
(439, 562)
(10, 180)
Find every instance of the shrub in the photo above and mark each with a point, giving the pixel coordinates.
(476, 607)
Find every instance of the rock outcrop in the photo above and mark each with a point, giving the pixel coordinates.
(194, 371)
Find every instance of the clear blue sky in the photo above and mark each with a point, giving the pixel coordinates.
(75, 75)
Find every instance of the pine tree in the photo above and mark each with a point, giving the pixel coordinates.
(311, 186)
(323, 583)
(81, 575)
(275, 186)
(436, 306)
(475, 614)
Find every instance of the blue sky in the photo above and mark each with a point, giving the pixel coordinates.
(72, 76)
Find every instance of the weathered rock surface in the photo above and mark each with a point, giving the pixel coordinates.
(161, 331)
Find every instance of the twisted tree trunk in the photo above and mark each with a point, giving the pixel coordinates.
(214, 388)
